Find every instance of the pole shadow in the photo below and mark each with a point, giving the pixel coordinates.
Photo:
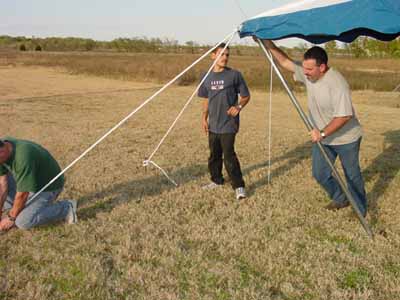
(383, 169)
(293, 157)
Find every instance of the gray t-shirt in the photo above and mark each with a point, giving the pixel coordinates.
(222, 89)
(330, 97)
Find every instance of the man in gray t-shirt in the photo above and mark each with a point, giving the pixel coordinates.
(335, 123)
(220, 119)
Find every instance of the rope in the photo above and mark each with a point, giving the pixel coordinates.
(130, 115)
(269, 119)
(270, 127)
(240, 8)
(147, 161)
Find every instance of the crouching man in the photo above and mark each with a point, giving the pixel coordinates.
(25, 168)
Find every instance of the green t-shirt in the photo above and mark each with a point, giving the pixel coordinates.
(32, 167)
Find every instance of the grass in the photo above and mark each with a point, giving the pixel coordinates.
(358, 279)
(141, 238)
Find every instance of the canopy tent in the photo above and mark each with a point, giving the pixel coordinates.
(320, 21)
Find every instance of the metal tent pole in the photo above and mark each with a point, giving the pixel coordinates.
(396, 88)
(310, 127)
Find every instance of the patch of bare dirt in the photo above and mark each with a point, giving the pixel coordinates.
(30, 82)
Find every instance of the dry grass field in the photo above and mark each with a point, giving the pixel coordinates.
(139, 237)
(372, 74)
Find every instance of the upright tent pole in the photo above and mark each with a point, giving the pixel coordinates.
(310, 127)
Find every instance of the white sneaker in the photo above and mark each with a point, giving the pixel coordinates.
(210, 186)
(240, 193)
(71, 217)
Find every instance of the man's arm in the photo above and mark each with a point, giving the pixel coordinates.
(243, 101)
(18, 206)
(204, 116)
(331, 128)
(281, 57)
(3, 191)
(19, 203)
(235, 110)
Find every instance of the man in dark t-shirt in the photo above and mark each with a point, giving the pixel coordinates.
(26, 168)
(220, 119)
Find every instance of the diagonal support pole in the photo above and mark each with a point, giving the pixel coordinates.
(309, 126)
(396, 88)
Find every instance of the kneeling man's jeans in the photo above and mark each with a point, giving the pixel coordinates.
(41, 210)
(349, 157)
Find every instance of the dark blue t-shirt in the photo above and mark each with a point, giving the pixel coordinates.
(222, 89)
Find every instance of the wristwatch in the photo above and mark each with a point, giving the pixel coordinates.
(240, 106)
(323, 135)
(12, 219)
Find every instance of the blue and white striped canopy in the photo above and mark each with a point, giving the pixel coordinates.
(320, 21)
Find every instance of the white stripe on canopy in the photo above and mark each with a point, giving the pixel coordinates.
(299, 6)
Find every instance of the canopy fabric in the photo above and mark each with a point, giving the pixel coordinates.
(320, 21)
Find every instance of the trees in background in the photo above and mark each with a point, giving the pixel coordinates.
(135, 44)
(366, 47)
(361, 47)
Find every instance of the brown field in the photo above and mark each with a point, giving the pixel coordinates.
(362, 74)
(138, 237)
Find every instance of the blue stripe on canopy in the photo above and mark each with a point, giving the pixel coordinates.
(344, 22)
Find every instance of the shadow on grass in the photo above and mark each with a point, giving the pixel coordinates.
(114, 195)
(293, 157)
(383, 169)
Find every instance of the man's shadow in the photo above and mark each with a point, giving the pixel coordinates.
(383, 169)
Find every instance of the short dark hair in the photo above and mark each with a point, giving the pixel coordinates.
(1, 144)
(317, 53)
(220, 46)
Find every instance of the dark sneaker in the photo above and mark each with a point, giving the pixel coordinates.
(336, 205)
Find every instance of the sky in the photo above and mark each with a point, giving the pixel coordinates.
(202, 21)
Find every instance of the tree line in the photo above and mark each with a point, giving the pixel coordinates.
(361, 47)
(135, 44)
(366, 47)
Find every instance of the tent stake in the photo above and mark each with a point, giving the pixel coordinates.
(309, 126)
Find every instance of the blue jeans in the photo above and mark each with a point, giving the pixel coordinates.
(39, 211)
(349, 157)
